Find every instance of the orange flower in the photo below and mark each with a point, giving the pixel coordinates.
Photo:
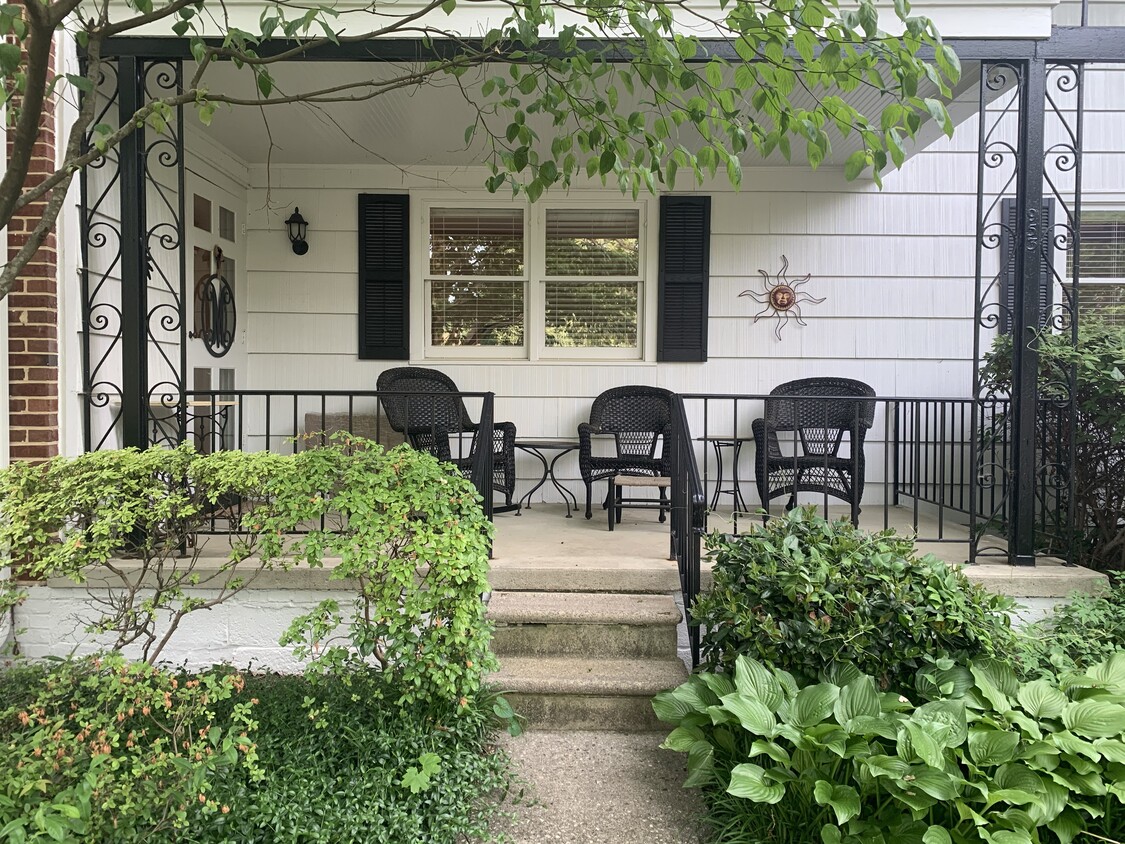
(225, 810)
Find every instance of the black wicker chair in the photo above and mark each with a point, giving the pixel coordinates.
(819, 428)
(429, 422)
(637, 417)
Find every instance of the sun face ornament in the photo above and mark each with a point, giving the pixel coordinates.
(782, 297)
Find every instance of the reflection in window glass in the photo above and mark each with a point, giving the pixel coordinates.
(476, 242)
(591, 315)
(589, 243)
(476, 313)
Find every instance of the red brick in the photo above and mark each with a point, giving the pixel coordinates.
(49, 435)
(16, 344)
(34, 420)
(42, 345)
(17, 389)
(45, 332)
(33, 453)
(32, 359)
(17, 405)
(42, 373)
(42, 405)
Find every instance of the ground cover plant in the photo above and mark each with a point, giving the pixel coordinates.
(802, 593)
(154, 755)
(972, 755)
(1085, 630)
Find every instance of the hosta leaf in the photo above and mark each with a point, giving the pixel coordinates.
(843, 799)
(1041, 700)
(841, 674)
(747, 780)
(682, 738)
(1052, 801)
(700, 765)
(989, 684)
(992, 747)
(1111, 749)
(1110, 673)
(924, 745)
(1018, 775)
(883, 727)
(936, 835)
(813, 704)
(946, 721)
(675, 705)
(1011, 836)
(771, 749)
(886, 766)
(1094, 718)
(1067, 825)
(1067, 742)
(754, 679)
(719, 684)
(754, 716)
(859, 697)
(938, 784)
(830, 834)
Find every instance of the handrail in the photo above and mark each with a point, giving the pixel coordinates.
(689, 503)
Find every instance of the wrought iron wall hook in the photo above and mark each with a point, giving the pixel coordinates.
(782, 297)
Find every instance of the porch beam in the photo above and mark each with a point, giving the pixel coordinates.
(1066, 43)
(1028, 242)
(134, 260)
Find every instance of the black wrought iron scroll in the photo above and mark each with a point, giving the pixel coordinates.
(133, 263)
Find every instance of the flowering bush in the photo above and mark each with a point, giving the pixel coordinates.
(101, 749)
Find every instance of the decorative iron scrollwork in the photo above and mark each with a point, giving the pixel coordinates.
(219, 315)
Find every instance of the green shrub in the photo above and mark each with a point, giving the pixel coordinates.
(1086, 630)
(982, 759)
(74, 517)
(100, 749)
(413, 539)
(803, 593)
(1098, 366)
(373, 772)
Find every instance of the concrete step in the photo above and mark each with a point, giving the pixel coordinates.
(592, 693)
(581, 574)
(580, 624)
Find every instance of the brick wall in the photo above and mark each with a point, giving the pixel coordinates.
(33, 343)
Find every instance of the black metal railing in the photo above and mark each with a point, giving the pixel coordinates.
(688, 519)
(287, 421)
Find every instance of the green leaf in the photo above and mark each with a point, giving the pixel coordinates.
(813, 704)
(843, 799)
(771, 749)
(606, 161)
(1067, 825)
(992, 747)
(754, 716)
(925, 746)
(857, 698)
(936, 835)
(753, 678)
(748, 780)
(1041, 700)
(855, 164)
(949, 63)
(1094, 718)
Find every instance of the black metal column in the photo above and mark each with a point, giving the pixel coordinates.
(134, 261)
(1029, 239)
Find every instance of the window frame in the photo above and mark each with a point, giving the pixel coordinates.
(1086, 282)
(535, 279)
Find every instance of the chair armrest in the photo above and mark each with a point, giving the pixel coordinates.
(765, 438)
(585, 447)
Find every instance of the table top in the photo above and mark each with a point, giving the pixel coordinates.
(561, 445)
(724, 439)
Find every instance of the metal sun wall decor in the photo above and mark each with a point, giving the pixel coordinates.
(782, 296)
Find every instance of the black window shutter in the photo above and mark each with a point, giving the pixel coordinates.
(685, 258)
(384, 277)
(1008, 264)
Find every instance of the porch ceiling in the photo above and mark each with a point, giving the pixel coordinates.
(416, 125)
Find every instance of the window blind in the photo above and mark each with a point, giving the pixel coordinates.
(476, 242)
(591, 315)
(476, 313)
(1102, 241)
(588, 243)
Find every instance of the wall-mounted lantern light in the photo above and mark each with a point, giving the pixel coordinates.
(298, 228)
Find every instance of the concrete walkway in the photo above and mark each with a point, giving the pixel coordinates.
(602, 788)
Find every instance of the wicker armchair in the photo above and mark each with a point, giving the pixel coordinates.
(637, 417)
(819, 428)
(428, 423)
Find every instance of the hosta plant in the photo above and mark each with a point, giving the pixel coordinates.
(972, 756)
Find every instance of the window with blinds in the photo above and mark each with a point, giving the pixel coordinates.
(477, 261)
(595, 251)
(584, 243)
(476, 242)
(1101, 242)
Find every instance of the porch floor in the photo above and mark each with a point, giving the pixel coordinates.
(543, 550)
